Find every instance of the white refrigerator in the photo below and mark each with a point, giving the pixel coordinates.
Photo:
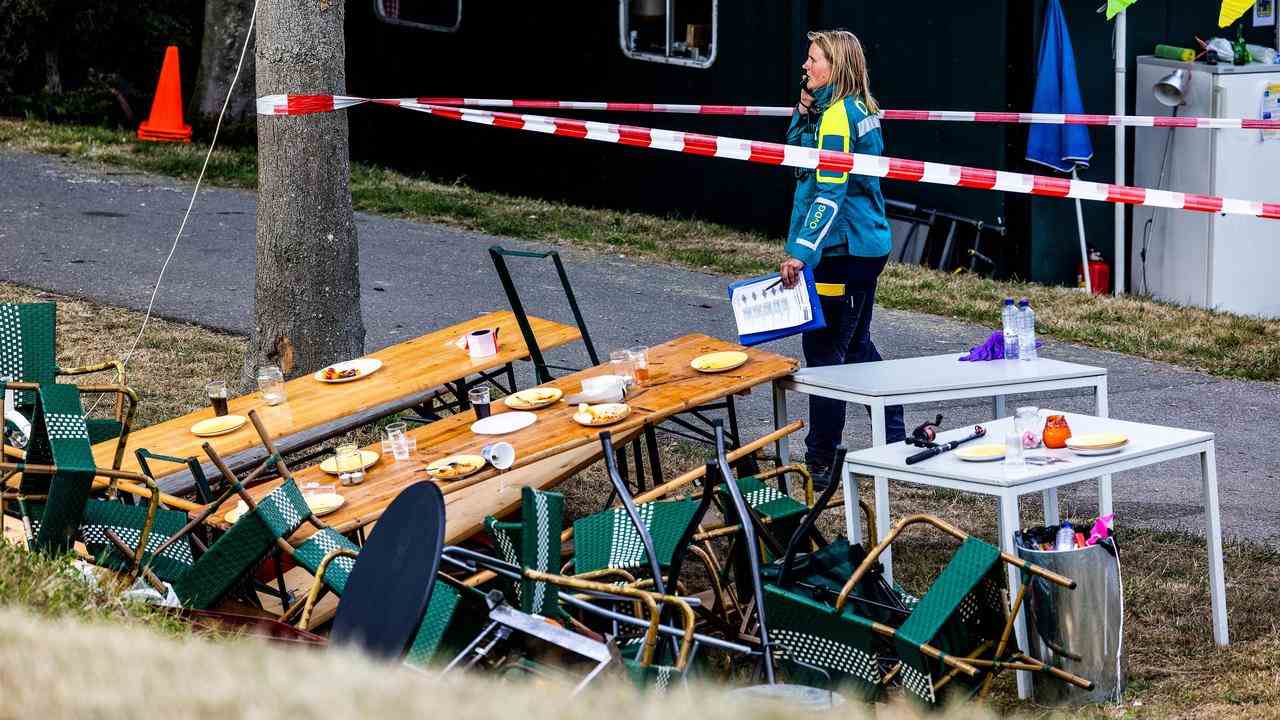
(1226, 262)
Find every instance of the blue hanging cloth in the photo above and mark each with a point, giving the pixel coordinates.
(1061, 147)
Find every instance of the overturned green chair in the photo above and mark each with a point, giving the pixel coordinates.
(28, 353)
(55, 493)
(647, 662)
(955, 641)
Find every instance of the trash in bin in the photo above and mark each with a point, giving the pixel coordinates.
(1080, 631)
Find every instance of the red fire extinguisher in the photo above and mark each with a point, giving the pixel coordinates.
(1099, 273)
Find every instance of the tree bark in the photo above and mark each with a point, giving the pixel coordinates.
(52, 74)
(225, 23)
(307, 296)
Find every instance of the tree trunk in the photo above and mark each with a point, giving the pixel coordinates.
(225, 23)
(307, 297)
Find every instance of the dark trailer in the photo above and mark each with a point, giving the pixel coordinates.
(922, 55)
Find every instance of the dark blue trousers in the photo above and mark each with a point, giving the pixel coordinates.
(845, 339)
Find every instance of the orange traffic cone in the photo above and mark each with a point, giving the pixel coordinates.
(165, 123)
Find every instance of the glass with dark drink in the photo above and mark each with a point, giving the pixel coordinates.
(216, 391)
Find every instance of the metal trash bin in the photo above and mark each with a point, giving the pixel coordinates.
(1080, 630)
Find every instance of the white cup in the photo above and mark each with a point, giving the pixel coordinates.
(482, 343)
(501, 455)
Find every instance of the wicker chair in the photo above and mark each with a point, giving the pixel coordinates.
(28, 353)
(54, 494)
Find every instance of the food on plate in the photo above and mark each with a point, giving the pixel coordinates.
(455, 466)
(332, 373)
(601, 414)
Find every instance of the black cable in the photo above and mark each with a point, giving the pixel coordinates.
(1146, 228)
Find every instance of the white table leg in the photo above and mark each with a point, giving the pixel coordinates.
(997, 407)
(1213, 533)
(782, 448)
(882, 490)
(1101, 409)
(1009, 522)
(852, 523)
(1050, 499)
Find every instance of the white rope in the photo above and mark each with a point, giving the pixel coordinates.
(194, 191)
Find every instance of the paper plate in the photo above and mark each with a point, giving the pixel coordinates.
(719, 361)
(364, 367)
(1096, 441)
(503, 423)
(213, 426)
(320, 504)
(455, 466)
(1097, 451)
(367, 458)
(603, 414)
(533, 398)
(981, 453)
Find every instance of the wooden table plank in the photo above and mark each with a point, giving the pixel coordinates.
(553, 448)
(411, 372)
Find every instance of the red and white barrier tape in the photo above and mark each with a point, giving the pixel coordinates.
(285, 104)
(769, 153)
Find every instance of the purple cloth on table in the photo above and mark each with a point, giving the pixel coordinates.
(992, 349)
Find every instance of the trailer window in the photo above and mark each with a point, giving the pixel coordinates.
(679, 32)
(437, 15)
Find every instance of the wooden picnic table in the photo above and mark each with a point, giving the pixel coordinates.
(547, 452)
(412, 372)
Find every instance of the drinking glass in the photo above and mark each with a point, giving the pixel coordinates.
(403, 446)
(640, 364)
(390, 433)
(620, 364)
(1013, 449)
(1056, 432)
(271, 384)
(347, 462)
(478, 397)
(1027, 423)
(216, 391)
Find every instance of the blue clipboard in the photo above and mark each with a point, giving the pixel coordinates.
(817, 322)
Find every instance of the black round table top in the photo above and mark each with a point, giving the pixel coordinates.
(391, 581)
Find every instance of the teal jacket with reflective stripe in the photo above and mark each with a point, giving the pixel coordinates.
(837, 213)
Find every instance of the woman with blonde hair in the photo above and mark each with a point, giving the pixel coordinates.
(838, 227)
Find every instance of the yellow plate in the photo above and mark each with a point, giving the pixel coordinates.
(367, 458)
(533, 398)
(1097, 441)
(455, 466)
(602, 414)
(210, 427)
(981, 453)
(320, 504)
(719, 361)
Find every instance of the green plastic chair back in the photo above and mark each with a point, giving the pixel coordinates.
(126, 521)
(962, 608)
(28, 345)
(609, 539)
(455, 615)
(783, 511)
(533, 543)
(59, 437)
(242, 547)
(812, 633)
(310, 553)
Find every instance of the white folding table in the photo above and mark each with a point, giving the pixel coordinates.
(934, 378)
(1148, 445)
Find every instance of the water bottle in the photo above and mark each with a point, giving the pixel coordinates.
(1026, 331)
(1066, 538)
(1009, 314)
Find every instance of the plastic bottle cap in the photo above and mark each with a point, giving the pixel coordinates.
(1008, 301)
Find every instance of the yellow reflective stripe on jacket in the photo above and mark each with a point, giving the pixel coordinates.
(833, 134)
(829, 289)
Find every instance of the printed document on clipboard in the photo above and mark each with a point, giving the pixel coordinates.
(764, 310)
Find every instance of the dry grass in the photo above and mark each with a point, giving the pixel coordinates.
(103, 671)
(1216, 343)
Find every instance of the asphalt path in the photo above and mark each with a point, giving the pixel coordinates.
(102, 233)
